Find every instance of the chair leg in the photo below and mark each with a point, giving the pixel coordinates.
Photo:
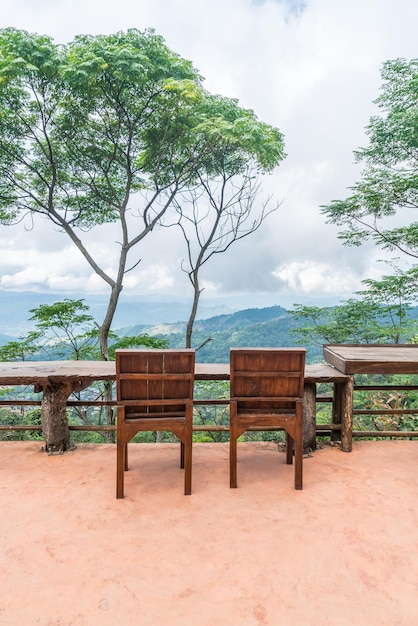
(126, 457)
(187, 464)
(181, 455)
(233, 456)
(120, 467)
(298, 462)
(289, 449)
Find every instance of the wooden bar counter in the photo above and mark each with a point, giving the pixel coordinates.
(58, 379)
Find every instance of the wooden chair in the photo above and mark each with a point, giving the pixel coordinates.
(154, 393)
(267, 394)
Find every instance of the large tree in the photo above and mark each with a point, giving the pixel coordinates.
(389, 181)
(109, 129)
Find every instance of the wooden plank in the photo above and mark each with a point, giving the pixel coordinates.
(323, 373)
(373, 358)
(43, 372)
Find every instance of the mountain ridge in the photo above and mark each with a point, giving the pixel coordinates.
(252, 327)
(15, 309)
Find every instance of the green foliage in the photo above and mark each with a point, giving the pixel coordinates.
(347, 323)
(67, 329)
(237, 137)
(381, 315)
(82, 119)
(211, 414)
(389, 180)
(11, 417)
(23, 417)
(139, 341)
(388, 398)
(22, 349)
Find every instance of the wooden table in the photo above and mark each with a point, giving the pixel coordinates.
(58, 379)
(373, 358)
(42, 373)
(353, 359)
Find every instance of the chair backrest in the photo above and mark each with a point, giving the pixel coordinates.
(154, 381)
(264, 379)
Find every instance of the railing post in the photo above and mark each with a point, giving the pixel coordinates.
(337, 411)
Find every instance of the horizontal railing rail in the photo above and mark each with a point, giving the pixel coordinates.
(384, 412)
(321, 429)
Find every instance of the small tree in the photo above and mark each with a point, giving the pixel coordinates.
(66, 329)
(21, 349)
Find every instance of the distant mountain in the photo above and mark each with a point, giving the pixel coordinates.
(15, 307)
(266, 327)
(240, 319)
(217, 329)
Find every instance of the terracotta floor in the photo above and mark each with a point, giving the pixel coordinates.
(344, 551)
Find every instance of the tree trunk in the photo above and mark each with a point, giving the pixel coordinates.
(54, 417)
(309, 417)
(190, 323)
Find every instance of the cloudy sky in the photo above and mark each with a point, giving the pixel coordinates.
(310, 68)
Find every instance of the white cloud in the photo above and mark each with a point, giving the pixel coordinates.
(314, 73)
(309, 277)
(152, 279)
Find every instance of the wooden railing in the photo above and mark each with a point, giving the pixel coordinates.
(322, 429)
(385, 413)
(331, 429)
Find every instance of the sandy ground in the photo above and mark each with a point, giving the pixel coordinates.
(342, 552)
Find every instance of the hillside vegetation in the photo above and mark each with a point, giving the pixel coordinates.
(266, 327)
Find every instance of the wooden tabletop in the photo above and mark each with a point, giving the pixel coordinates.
(42, 372)
(373, 358)
(315, 372)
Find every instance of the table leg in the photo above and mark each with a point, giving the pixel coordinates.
(309, 417)
(346, 412)
(54, 416)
